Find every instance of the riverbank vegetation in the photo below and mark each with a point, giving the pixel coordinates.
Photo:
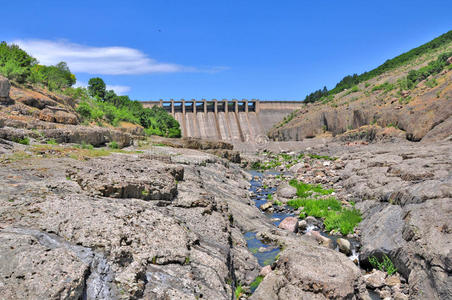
(335, 216)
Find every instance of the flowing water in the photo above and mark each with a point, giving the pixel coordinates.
(260, 196)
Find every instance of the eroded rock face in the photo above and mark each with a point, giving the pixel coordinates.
(427, 109)
(4, 87)
(404, 191)
(305, 271)
(129, 177)
(186, 248)
(31, 270)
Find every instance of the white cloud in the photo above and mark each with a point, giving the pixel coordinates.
(119, 89)
(97, 60)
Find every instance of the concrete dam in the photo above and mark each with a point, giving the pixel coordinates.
(233, 121)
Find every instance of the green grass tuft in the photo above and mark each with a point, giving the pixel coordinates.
(386, 265)
(305, 190)
(238, 291)
(113, 145)
(52, 142)
(256, 282)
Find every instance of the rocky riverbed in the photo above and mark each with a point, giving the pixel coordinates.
(157, 222)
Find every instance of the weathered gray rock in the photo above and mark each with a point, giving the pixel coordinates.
(266, 205)
(322, 240)
(344, 246)
(376, 279)
(136, 180)
(4, 87)
(290, 224)
(302, 225)
(286, 191)
(31, 270)
(265, 271)
(382, 232)
(183, 249)
(304, 271)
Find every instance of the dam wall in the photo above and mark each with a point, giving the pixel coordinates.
(232, 121)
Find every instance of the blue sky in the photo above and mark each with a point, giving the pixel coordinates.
(278, 50)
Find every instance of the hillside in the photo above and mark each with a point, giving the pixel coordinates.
(40, 97)
(410, 93)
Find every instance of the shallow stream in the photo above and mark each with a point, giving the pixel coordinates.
(266, 254)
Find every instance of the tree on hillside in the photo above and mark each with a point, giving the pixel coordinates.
(97, 87)
(15, 63)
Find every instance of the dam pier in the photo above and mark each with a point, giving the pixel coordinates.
(227, 120)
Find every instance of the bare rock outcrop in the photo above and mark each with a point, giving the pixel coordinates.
(186, 248)
(4, 91)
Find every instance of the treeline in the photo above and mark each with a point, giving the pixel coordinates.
(106, 105)
(352, 80)
(96, 103)
(17, 65)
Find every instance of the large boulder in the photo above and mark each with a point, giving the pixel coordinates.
(4, 87)
(4, 91)
(381, 233)
(286, 191)
(96, 136)
(290, 224)
(304, 271)
(33, 269)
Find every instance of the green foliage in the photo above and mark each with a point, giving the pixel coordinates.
(52, 142)
(238, 291)
(315, 96)
(386, 265)
(256, 282)
(115, 109)
(270, 197)
(96, 87)
(431, 83)
(325, 157)
(330, 209)
(318, 208)
(24, 141)
(15, 63)
(113, 145)
(384, 86)
(434, 67)
(277, 203)
(84, 145)
(354, 89)
(56, 77)
(305, 190)
(344, 220)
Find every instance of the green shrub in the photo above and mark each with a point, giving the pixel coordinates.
(52, 142)
(84, 145)
(113, 145)
(15, 63)
(384, 86)
(345, 220)
(386, 265)
(24, 141)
